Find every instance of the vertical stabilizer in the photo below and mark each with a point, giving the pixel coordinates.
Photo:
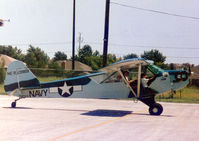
(19, 76)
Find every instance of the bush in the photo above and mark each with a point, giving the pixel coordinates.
(2, 71)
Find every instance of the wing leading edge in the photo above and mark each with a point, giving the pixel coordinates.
(124, 64)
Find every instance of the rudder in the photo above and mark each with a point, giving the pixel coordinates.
(19, 76)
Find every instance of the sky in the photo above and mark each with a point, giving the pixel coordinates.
(48, 24)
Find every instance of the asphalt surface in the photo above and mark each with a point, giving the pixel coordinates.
(60, 119)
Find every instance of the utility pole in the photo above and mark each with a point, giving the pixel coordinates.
(73, 46)
(80, 40)
(106, 30)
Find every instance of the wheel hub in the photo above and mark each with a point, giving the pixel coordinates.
(155, 110)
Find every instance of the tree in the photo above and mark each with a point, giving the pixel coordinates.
(2, 71)
(36, 58)
(54, 65)
(84, 54)
(111, 58)
(96, 53)
(59, 56)
(85, 51)
(94, 60)
(13, 52)
(172, 66)
(130, 56)
(155, 56)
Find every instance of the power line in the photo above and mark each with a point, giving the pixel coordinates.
(155, 11)
(143, 46)
(110, 44)
(179, 57)
(119, 54)
(146, 46)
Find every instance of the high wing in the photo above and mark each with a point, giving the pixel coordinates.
(124, 64)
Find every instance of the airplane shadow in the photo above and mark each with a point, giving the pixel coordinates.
(107, 113)
(117, 113)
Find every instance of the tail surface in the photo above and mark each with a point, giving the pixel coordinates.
(19, 76)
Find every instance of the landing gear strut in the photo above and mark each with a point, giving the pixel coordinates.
(154, 108)
(13, 104)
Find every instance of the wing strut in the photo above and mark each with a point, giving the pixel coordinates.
(127, 83)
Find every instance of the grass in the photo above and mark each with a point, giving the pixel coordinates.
(2, 92)
(52, 78)
(187, 95)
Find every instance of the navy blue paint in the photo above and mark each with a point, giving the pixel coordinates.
(60, 83)
(22, 84)
(65, 94)
(175, 71)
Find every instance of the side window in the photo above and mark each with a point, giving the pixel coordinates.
(133, 74)
(114, 77)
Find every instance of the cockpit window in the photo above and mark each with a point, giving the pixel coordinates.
(149, 71)
(154, 69)
(114, 77)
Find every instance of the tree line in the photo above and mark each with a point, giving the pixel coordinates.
(37, 58)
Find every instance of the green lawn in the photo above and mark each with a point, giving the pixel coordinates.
(47, 79)
(2, 89)
(186, 95)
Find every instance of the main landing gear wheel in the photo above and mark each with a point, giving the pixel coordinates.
(156, 109)
(13, 105)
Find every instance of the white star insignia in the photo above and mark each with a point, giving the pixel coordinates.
(65, 89)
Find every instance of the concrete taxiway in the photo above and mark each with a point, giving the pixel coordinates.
(59, 119)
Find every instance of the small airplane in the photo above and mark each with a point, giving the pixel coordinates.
(122, 79)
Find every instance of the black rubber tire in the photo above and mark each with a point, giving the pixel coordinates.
(13, 105)
(156, 109)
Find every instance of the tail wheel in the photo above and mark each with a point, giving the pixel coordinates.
(13, 105)
(156, 109)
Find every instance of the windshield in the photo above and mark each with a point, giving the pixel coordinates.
(155, 70)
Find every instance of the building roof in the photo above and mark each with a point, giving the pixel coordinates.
(7, 60)
(195, 71)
